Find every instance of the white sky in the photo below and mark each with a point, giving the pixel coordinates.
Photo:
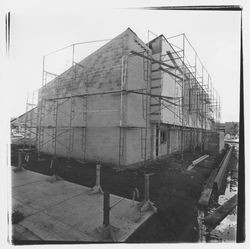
(215, 36)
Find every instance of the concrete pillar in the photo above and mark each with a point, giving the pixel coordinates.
(106, 232)
(19, 162)
(54, 177)
(147, 204)
(97, 188)
(98, 174)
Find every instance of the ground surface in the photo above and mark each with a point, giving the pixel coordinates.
(174, 191)
(64, 211)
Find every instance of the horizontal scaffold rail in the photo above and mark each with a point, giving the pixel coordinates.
(160, 63)
(151, 59)
(136, 91)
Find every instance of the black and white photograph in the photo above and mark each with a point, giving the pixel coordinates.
(125, 122)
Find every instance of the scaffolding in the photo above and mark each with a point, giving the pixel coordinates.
(42, 111)
(199, 104)
(194, 103)
(26, 124)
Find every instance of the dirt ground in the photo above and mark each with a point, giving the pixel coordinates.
(174, 190)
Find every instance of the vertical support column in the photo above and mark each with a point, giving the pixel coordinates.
(39, 129)
(148, 101)
(146, 204)
(106, 232)
(53, 166)
(85, 119)
(19, 162)
(121, 123)
(72, 108)
(106, 208)
(183, 92)
(55, 128)
(97, 189)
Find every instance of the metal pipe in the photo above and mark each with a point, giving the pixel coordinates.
(75, 44)
(146, 187)
(98, 174)
(106, 208)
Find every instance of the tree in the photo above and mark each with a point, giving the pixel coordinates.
(234, 129)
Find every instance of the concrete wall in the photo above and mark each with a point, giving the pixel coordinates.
(156, 82)
(113, 126)
(138, 135)
(95, 118)
(170, 86)
(170, 116)
(215, 142)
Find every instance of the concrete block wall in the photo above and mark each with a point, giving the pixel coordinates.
(137, 142)
(156, 81)
(172, 114)
(95, 118)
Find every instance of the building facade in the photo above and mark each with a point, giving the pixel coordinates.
(126, 103)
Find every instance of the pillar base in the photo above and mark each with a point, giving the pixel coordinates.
(54, 178)
(19, 169)
(105, 233)
(147, 206)
(97, 189)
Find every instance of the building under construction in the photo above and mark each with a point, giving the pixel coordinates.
(126, 103)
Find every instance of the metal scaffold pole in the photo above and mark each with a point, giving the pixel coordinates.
(183, 97)
(122, 96)
(72, 111)
(183, 110)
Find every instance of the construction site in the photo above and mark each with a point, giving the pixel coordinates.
(128, 112)
(126, 103)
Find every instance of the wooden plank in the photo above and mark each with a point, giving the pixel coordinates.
(208, 189)
(223, 169)
(221, 212)
(196, 162)
(205, 196)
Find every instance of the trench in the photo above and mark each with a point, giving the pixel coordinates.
(226, 230)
